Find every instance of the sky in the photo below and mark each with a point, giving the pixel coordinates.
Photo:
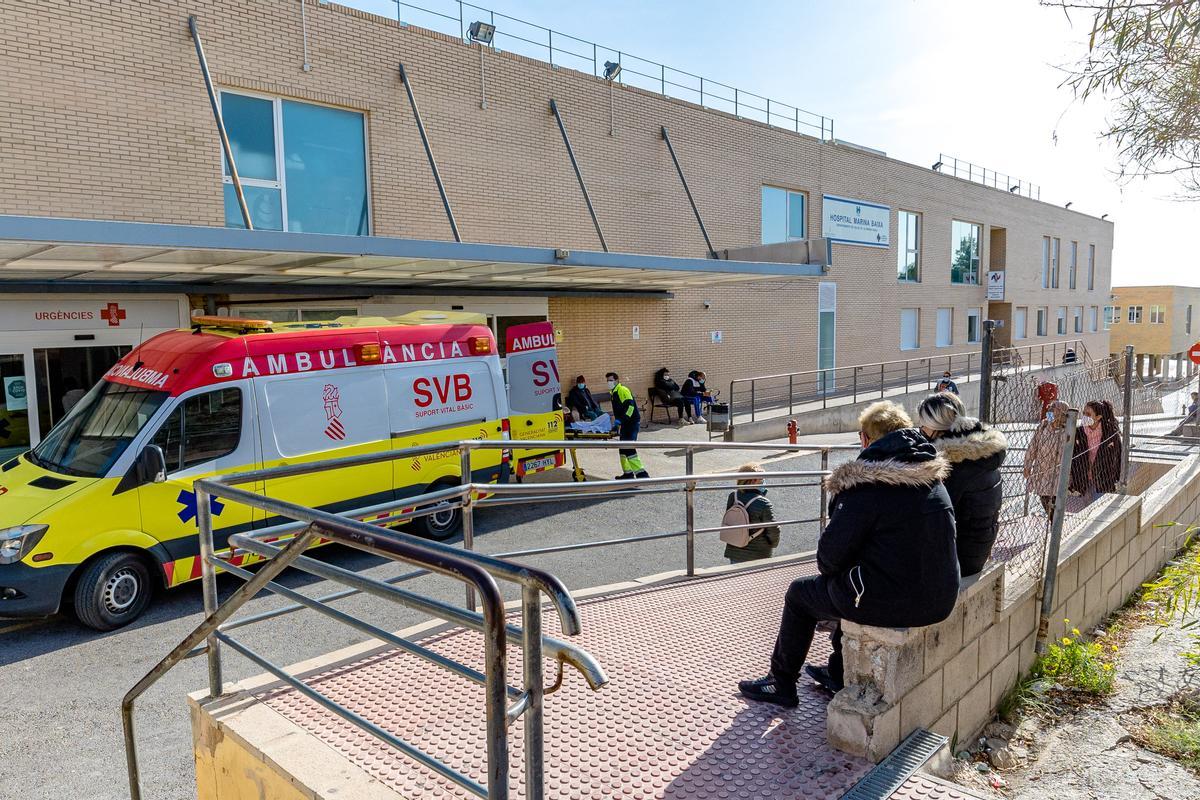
(974, 79)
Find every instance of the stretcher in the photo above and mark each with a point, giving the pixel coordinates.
(577, 473)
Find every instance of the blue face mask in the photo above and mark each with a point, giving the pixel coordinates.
(581, 385)
(1049, 416)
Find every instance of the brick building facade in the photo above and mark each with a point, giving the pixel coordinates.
(1161, 322)
(103, 115)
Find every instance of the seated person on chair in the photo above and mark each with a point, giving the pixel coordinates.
(886, 558)
(581, 402)
(696, 393)
(671, 397)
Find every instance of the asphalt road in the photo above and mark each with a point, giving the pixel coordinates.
(61, 684)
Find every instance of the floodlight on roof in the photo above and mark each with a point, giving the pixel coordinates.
(611, 70)
(482, 32)
(937, 167)
(1015, 187)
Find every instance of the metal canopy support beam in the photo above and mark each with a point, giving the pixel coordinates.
(587, 198)
(324, 291)
(437, 176)
(688, 191)
(216, 109)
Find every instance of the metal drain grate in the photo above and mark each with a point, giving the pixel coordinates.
(889, 774)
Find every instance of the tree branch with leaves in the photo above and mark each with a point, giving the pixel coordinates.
(1145, 58)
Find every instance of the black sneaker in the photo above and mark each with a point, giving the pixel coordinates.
(822, 676)
(768, 690)
(641, 474)
(625, 476)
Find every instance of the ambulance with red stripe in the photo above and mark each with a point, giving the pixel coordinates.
(101, 512)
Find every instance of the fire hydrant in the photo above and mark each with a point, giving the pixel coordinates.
(793, 431)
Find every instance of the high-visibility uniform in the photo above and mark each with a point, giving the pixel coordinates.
(630, 419)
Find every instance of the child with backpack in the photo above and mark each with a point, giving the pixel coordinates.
(749, 506)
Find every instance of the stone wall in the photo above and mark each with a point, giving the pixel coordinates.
(950, 677)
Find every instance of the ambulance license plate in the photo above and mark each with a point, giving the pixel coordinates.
(542, 462)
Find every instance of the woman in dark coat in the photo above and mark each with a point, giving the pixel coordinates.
(672, 395)
(975, 452)
(1096, 465)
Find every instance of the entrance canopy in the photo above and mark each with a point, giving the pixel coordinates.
(71, 255)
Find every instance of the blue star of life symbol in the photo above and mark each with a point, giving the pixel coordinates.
(188, 501)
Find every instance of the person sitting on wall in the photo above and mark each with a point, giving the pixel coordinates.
(975, 452)
(668, 390)
(581, 402)
(696, 393)
(946, 384)
(887, 556)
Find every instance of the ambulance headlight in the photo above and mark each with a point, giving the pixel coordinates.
(15, 543)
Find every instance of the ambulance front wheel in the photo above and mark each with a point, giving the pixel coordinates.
(112, 591)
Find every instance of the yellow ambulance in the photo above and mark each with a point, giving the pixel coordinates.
(101, 512)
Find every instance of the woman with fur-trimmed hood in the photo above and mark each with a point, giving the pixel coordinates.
(975, 452)
(886, 557)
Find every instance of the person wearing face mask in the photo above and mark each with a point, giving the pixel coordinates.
(629, 419)
(1096, 467)
(1044, 455)
(581, 402)
(975, 452)
(669, 390)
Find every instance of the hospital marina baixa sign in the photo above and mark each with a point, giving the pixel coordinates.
(856, 222)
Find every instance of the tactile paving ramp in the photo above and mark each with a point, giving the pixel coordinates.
(670, 724)
(924, 787)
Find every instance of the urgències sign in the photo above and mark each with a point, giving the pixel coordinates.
(856, 222)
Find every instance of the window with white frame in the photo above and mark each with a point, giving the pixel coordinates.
(1021, 322)
(1042, 314)
(1073, 265)
(908, 246)
(1110, 316)
(973, 327)
(1091, 267)
(1135, 314)
(1077, 318)
(1093, 319)
(783, 216)
(1116, 314)
(910, 328)
(945, 327)
(964, 253)
(1045, 262)
(1061, 317)
(1055, 249)
(1158, 315)
(302, 166)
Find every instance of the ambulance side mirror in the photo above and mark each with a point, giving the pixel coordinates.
(152, 464)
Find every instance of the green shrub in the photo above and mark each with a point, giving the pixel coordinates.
(1076, 663)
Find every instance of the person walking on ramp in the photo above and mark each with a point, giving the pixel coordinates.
(626, 412)
(887, 556)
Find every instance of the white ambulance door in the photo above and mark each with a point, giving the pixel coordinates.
(316, 416)
(534, 389)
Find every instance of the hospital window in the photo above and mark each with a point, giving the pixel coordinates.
(201, 428)
(908, 247)
(1187, 323)
(1091, 267)
(1074, 264)
(1077, 318)
(1062, 320)
(1041, 320)
(964, 254)
(782, 215)
(1135, 314)
(973, 315)
(1093, 319)
(1021, 322)
(1158, 315)
(302, 167)
(910, 328)
(1110, 316)
(286, 314)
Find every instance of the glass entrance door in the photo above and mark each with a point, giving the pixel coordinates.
(64, 376)
(14, 413)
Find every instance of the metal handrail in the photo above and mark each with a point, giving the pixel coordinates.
(686, 85)
(960, 168)
(874, 379)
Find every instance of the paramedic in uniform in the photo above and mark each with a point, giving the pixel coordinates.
(626, 413)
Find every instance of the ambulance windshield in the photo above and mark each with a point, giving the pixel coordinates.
(97, 430)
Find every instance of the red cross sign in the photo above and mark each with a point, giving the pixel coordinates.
(113, 313)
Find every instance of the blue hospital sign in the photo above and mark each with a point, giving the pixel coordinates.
(856, 222)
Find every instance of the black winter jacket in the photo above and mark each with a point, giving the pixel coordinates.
(975, 490)
(582, 403)
(888, 549)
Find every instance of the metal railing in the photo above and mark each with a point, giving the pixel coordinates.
(988, 177)
(749, 398)
(478, 572)
(563, 50)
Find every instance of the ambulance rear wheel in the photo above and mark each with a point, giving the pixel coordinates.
(112, 591)
(443, 523)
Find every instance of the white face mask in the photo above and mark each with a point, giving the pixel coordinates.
(612, 385)
(1087, 421)
(666, 377)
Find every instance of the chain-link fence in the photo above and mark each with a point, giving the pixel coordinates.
(1112, 451)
